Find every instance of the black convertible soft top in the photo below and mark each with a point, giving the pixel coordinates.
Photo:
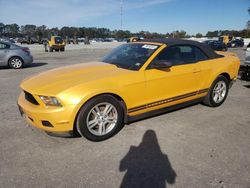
(172, 42)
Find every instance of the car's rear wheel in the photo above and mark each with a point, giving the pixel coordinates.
(62, 49)
(100, 118)
(218, 92)
(15, 63)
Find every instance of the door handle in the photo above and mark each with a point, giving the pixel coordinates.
(196, 70)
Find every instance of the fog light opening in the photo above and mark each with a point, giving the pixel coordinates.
(47, 124)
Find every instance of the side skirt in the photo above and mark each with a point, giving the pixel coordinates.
(131, 119)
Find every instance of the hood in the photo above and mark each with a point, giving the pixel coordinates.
(57, 80)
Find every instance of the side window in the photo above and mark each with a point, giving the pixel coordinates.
(181, 54)
(187, 54)
(4, 46)
(200, 56)
(170, 54)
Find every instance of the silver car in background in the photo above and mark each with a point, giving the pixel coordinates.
(14, 56)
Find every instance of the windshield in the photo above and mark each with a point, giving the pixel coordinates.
(130, 56)
(58, 40)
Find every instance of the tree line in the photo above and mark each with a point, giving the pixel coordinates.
(40, 32)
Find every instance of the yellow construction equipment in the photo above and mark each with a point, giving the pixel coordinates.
(225, 39)
(56, 43)
(133, 39)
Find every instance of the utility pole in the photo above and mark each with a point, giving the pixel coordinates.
(121, 6)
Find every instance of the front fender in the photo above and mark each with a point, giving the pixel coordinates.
(88, 98)
(81, 95)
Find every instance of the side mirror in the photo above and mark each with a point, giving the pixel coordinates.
(162, 64)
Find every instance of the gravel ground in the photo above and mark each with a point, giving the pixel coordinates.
(196, 146)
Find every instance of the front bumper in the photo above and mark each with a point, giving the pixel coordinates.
(57, 46)
(244, 73)
(50, 119)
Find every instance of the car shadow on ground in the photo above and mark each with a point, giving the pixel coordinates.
(32, 65)
(163, 111)
(75, 134)
(36, 64)
(247, 86)
(146, 165)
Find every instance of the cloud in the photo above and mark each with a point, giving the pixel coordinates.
(65, 12)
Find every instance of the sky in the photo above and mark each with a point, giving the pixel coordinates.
(193, 16)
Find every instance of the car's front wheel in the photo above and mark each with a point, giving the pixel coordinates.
(100, 118)
(218, 92)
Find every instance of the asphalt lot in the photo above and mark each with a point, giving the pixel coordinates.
(196, 146)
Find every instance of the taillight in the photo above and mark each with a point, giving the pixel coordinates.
(27, 50)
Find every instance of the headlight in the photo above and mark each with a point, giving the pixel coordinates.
(50, 101)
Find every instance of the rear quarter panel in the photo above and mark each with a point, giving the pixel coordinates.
(17, 52)
(212, 68)
(11, 53)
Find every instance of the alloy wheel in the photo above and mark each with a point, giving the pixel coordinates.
(219, 92)
(102, 119)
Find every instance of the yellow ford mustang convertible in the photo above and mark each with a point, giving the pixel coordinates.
(135, 80)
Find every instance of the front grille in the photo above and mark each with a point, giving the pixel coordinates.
(29, 97)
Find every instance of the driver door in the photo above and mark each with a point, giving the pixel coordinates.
(174, 85)
(3, 52)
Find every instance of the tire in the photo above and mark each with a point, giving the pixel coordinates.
(62, 49)
(50, 49)
(222, 85)
(92, 122)
(57, 50)
(15, 63)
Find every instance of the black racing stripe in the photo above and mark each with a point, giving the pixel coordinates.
(203, 91)
(171, 99)
(137, 108)
(164, 101)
